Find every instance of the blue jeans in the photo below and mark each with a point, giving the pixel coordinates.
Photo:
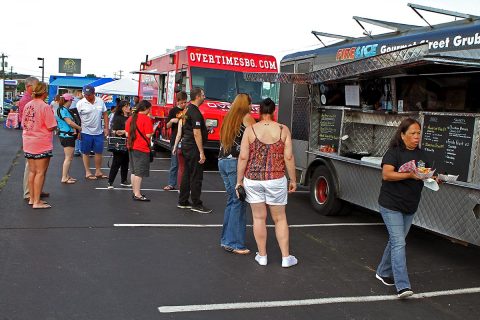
(394, 260)
(234, 220)
(78, 146)
(172, 178)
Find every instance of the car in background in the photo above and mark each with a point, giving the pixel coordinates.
(7, 107)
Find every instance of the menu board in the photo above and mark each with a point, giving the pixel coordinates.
(330, 127)
(448, 139)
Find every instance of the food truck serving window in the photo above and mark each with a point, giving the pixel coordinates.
(223, 85)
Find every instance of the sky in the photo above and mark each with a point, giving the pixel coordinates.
(109, 36)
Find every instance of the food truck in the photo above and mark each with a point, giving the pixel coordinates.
(353, 95)
(218, 72)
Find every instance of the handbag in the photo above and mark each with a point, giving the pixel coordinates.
(242, 194)
(117, 144)
(152, 152)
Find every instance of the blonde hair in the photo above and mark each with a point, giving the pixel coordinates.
(233, 120)
(39, 89)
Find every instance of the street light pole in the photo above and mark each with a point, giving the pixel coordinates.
(42, 67)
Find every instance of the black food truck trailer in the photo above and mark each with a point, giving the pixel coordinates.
(344, 102)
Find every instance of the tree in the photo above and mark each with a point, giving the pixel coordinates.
(21, 87)
(90, 75)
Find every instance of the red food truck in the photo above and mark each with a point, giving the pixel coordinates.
(218, 72)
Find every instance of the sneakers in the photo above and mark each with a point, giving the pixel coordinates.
(262, 260)
(289, 261)
(126, 184)
(404, 293)
(110, 186)
(385, 280)
(184, 206)
(201, 209)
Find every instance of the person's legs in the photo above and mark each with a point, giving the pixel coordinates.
(87, 145)
(124, 167)
(196, 178)
(98, 149)
(397, 224)
(68, 151)
(259, 213)
(31, 178)
(41, 166)
(26, 174)
(136, 185)
(116, 163)
(185, 185)
(172, 178)
(281, 228)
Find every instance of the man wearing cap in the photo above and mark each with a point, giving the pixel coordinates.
(92, 109)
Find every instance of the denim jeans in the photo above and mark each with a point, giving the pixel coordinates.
(394, 260)
(172, 178)
(78, 146)
(234, 220)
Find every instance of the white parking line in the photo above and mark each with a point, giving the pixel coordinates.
(153, 158)
(161, 190)
(309, 302)
(173, 225)
(156, 170)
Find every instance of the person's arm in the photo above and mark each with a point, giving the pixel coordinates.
(289, 161)
(72, 124)
(389, 174)
(105, 123)
(172, 118)
(243, 157)
(197, 135)
(178, 137)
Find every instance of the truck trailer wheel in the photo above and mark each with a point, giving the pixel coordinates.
(322, 193)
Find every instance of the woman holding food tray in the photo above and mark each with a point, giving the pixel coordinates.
(404, 166)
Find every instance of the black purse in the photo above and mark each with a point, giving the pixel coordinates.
(117, 144)
(152, 152)
(242, 195)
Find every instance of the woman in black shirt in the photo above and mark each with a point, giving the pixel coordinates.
(398, 201)
(120, 158)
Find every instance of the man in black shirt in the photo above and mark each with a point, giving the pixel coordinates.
(172, 122)
(194, 137)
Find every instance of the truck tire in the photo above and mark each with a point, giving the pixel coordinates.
(322, 193)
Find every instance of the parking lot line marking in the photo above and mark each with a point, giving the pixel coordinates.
(172, 225)
(309, 302)
(158, 170)
(144, 189)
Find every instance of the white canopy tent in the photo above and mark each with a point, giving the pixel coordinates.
(123, 87)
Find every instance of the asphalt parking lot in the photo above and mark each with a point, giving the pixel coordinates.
(99, 255)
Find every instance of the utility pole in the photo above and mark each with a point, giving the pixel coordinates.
(120, 73)
(11, 72)
(42, 67)
(4, 64)
(114, 74)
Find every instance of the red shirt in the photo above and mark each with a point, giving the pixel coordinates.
(145, 125)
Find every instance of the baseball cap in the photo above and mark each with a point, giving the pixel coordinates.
(88, 89)
(67, 96)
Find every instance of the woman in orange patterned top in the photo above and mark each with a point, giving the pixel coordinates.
(265, 153)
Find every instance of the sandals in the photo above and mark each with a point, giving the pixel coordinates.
(42, 205)
(142, 198)
(101, 176)
(169, 188)
(70, 180)
(236, 251)
(91, 177)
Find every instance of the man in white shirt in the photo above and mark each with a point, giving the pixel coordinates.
(92, 109)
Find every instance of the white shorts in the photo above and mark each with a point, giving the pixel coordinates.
(273, 192)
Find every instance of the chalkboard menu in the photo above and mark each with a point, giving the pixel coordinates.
(448, 139)
(330, 126)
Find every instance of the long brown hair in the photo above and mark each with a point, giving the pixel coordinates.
(233, 120)
(402, 128)
(141, 106)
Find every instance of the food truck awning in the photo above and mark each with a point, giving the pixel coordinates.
(388, 64)
(151, 72)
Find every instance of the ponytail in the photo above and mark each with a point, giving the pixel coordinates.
(141, 106)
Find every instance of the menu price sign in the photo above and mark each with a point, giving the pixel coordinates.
(448, 140)
(330, 126)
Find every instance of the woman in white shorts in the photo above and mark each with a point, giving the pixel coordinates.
(265, 153)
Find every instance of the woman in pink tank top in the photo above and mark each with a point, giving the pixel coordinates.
(265, 154)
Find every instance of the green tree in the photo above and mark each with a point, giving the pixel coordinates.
(21, 87)
(90, 75)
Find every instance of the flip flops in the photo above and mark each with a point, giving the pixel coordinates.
(42, 205)
(169, 188)
(69, 181)
(101, 176)
(91, 177)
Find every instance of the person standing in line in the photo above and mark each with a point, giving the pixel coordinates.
(265, 152)
(55, 103)
(139, 130)
(194, 138)
(92, 109)
(234, 124)
(77, 96)
(398, 201)
(172, 122)
(120, 158)
(30, 82)
(67, 133)
(38, 125)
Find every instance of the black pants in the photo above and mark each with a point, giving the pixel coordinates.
(120, 161)
(192, 176)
